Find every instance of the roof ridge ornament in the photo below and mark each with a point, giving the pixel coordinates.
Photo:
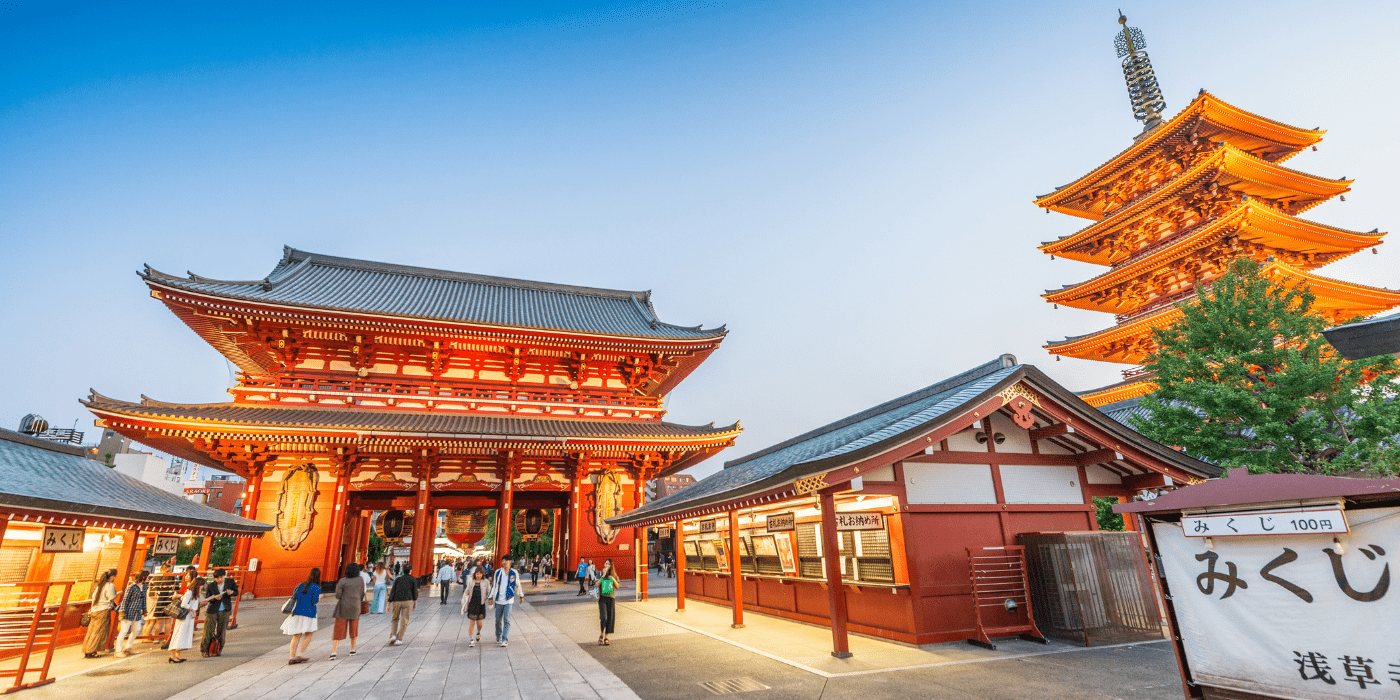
(1143, 90)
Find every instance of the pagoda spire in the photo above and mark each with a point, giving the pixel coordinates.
(1143, 90)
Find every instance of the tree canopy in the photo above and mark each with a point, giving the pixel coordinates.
(1246, 379)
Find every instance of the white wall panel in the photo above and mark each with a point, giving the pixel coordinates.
(885, 473)
(1027, 484)
(1018, 440)
(1099, 475)
(949, 483)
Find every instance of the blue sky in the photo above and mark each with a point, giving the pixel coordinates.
(847, 185)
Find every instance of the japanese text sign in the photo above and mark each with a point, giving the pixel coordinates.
(707, 526)
(1327, 521)
(859, 521)
(1296, 616)
(63, 539)
(781, 522)
(165, 546)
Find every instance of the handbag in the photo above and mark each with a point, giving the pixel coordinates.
(291, 605)
(364, 607)
(85, 620)
(175, 610)
(607, 585)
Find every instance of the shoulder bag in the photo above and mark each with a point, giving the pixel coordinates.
(291, 605)
(176, 610)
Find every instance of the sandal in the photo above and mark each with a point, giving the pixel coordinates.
(607, 643)
(601, 642)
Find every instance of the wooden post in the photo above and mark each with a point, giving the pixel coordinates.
(835, 591)
(575, 532)
(504, 522)
(367, 530)
(128, 556)
(735, 575)
(335, 535)
(680, 566)
(206, 546)
(244, 545)
(418, 560)
(639, 534)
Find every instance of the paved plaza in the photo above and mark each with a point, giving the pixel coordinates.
(656, 653)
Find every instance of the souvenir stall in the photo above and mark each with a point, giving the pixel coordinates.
(902, 521)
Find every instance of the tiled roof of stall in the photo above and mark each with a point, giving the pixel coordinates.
(44, 476)
(855, 437)
(315, 281)
(440, 422)
(849, 434)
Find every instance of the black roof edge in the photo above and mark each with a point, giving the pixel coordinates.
(48, 504)
(21, 438)
(970, 375)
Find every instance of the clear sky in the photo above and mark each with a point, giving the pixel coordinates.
(847, 185)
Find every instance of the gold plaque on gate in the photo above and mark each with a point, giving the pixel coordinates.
(296, 506)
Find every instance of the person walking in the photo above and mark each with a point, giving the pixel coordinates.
(183, 635)
(349, 605)
(160, 590)
(582, 576)
(592, 577)
(445, 578)
(133, 611)
(403, 599)
(221, 592)
(104, 599)
(301, 623)
(474, 598)
(505, 587)
(607, 603)
(535, 572)
(381, 588)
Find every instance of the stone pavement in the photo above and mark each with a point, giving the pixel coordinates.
(434, 662)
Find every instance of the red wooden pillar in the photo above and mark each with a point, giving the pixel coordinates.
(735, 574)
(206, 547)
(366, 529)
(680, 566)
(835, 591)
(244, 545)
(639, 537)
(335, 533)
(575, 531)
(124, 571)
(557, 545)
(504, 522)
(417, 558)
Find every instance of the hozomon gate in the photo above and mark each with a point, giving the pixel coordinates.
(367, 386)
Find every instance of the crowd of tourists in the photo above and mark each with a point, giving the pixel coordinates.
(164, 607)
(160, 607)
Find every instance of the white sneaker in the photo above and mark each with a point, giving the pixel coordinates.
(503, 644)
(394, 642)
(471, 644)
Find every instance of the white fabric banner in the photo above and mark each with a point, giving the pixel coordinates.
(1290, 616)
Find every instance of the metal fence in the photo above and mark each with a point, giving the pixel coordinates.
(1091, 588)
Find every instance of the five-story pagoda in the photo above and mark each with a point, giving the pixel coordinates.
(1169, 213)
(371, 387)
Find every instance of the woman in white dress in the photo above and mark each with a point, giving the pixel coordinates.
(183, 636)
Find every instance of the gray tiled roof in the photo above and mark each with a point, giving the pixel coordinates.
(40, 475)
(408, 421)
(317, 281)
(1368, 338)
(851, 434)
(1124, 411)
(866, 433)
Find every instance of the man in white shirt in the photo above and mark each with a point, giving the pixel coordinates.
(446, 576)
(505, 591)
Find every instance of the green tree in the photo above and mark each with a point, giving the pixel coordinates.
(1245, 379)
(1108, 520)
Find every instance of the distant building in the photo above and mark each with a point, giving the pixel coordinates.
(112, 443)
(222, 492)
(667, 485)
(148, 468)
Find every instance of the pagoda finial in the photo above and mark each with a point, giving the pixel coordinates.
(1143, 90)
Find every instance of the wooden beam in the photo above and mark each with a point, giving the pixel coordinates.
(1145, 481)
(1051, 431)
(835, 591)
(680, 564)
(735, 574)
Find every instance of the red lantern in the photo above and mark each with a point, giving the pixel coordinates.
(465, 526)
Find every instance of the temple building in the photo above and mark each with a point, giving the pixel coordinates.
(1169, 213)
(369, 387)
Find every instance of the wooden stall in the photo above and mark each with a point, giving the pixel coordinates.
(65, 518)
(867, 524)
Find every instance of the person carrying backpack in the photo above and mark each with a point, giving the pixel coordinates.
(607, 603)
(505, 587)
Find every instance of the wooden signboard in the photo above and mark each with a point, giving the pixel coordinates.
(781, 522)
(707, 526)
(859, 521)
(165, 546)
(63, 539)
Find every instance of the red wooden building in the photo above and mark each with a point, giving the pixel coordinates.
(865, 524)
(367, 386)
